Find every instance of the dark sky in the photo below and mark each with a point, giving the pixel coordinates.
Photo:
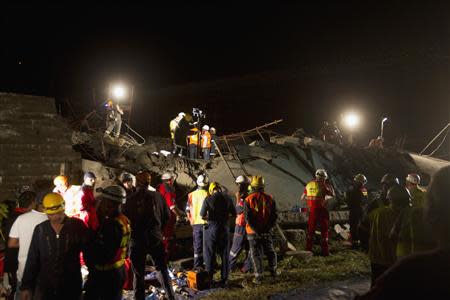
(67, 50)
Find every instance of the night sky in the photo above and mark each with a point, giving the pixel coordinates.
(380, 59)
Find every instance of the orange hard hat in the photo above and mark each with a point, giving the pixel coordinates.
(61, 180)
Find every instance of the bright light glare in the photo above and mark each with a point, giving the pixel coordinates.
(384, 120)
(118, 91)
(351, 120)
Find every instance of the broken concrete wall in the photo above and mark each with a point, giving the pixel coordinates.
(35, 143)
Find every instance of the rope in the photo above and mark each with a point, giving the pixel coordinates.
(439, 146)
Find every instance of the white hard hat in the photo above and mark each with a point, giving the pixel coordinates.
(321, 173)
(205, 127)
(212, 129)
(241, 179)
(202, 180)
(181, 114)
(413, 178)
(166, 176)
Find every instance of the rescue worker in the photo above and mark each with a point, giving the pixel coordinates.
(260, 217)
(52, 270)
(206, 142)
(181, 131)
(167, 191)
(126, 181)
(240, 235)
(173, 125)
(19, 241)
(110, 247)
(113, 119)
(356, 198)
(424, 275)
(216, 210)
(147, 215)
(376, 143)
(412, 232)
(88, 212)
(193, 143)
(382, 247)
(70, 195)
(316, 194)
(193, 207)
(214, 140)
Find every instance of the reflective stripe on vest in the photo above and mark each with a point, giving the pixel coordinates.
(206, 140)
(196, 200)
(193, 139)
(121, 253)
(364, 191)
(315, 195)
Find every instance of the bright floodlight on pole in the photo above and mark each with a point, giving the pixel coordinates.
(118, 91)
(351, 121)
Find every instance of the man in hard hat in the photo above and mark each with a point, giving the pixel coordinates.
(173, 125)
(193, 207)
(423, 275)
(70, 195)
(193, 139)
(52, 270)
(356, 198)
(411, 231)
(113, 118)
(206, 142)
(148, 215)
(316, 194)
(260, 217)
(110, 247)
(126, 181)
(382, 248)
(20, 238)
(167, 191)
(214, 140)
(240, 235)
(88, 212)
(217, 209)
(181, 131)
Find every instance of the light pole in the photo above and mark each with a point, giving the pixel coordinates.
(382, 126)
(351, 121)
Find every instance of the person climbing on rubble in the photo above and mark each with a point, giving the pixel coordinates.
(52, 270)
(193, 140)
(315, 194)
(88, 212)
(109, 249)
(193, 207)
(167, 191)
(214, 140)
(217, 209)
(147, 213)
(260, 217)
(382, 248)
(206, 142)
(181, 127)
(113, 119)
(240, 234)
(411, 230)
(424, 275)
(376, 143)
(70, 195)
(19, 241)
(356, 198)
(173, 125)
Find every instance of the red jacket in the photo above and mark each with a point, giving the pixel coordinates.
(88, 213)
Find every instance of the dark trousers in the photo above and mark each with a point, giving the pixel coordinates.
(50, 294)
(354, 221)
(197, 237)
(193, 151)
(216, 239)
(320, 215)
(138, 254)
(259, 245)
(105, 285)
(377, 271)
(239, 243)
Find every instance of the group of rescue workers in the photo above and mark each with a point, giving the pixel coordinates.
(190, 140)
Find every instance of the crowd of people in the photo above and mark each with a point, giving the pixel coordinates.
(62, 234)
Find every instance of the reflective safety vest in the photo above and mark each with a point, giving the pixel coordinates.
(206, 140)
(173, 125)
(121, 253)
(261, 206)
(194, 205)
(240, 218)
(364, 192)
(193, 139)
(315, 192)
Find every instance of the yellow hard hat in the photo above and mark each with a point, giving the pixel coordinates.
(53, 203)
(257, 182)
(61, 180)
(195, 129)
(213, 186)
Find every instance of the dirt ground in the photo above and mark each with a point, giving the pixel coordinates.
(300, 278)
